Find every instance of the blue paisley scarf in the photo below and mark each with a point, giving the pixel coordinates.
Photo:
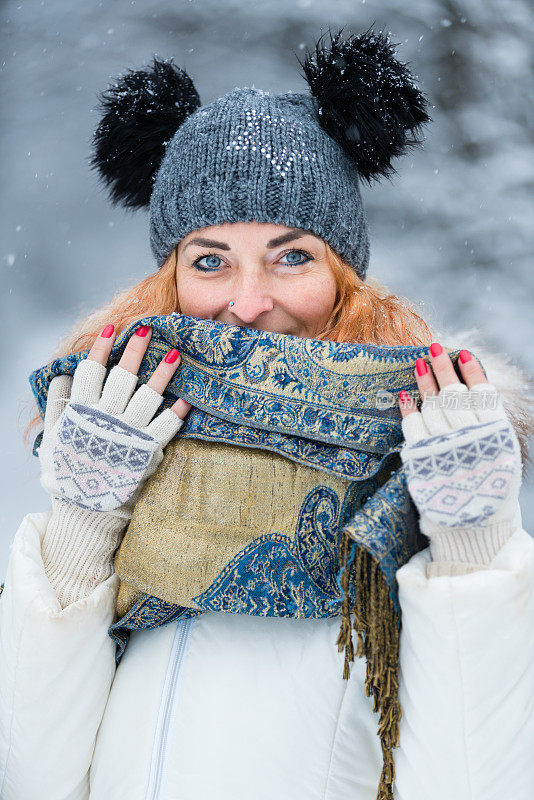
(326, 416)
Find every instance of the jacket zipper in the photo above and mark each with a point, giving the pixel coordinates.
(158, 762)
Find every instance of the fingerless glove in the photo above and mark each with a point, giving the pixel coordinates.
(465, 478)
(98, 448)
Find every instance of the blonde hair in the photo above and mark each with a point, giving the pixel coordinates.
(364, 313)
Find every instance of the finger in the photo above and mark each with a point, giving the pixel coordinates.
(472, 372)
(407, 403)
(118, 389)
(142, 407)
(413, 427)
(433, 416)
(426, 383)
(102, 345)
(123, 378)
(164, 371)
(148, 398)
(135, 349)
(57, 398)
(455, 400)
(165, 426)
(487, 402)
(181, 407)
(442, 366)
(87, 381)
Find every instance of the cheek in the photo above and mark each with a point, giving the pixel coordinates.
(313, 302)
(194, 300)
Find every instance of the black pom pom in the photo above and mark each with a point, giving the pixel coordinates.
(141, 114)
(368, 100)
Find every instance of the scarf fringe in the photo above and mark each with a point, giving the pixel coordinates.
(377, 631)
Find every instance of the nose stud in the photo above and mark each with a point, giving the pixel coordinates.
(231, 303)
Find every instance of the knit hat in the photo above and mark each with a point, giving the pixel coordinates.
(293, 158)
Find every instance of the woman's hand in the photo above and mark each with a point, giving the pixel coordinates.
(99, 444)
(461, 455)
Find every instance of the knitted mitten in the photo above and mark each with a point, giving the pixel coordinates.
(463, 468)
(98, 449)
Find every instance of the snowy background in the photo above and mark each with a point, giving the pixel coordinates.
(453, 231)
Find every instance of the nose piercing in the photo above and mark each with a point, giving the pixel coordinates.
(231, 303)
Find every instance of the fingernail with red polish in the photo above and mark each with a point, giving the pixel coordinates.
(142, 331)
(404, 396)
(464, 355)
(436, 349)
(420, 366)
(171, 356)
(108, 331)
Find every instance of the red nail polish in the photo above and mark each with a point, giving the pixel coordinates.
(464, 355)
(108, 331)
(142, 331)
(436, 349)
(420, 366)
(171, 356)
(404, 396)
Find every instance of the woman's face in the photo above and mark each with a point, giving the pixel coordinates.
(277, 276)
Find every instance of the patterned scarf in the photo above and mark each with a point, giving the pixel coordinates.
(283, 494)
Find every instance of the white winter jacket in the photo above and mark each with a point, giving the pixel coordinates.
(250, 708)
(233, 707)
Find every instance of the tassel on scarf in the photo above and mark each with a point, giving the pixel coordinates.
(377, 630)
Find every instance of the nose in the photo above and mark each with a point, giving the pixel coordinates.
(251, 298)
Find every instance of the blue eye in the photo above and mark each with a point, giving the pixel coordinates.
(293, 263)
(211, 268)
(214, 261)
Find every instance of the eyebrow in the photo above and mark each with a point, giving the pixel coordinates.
(295, 233)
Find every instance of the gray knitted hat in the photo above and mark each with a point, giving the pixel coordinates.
(294, 159)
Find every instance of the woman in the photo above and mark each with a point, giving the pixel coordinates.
(229, 705)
